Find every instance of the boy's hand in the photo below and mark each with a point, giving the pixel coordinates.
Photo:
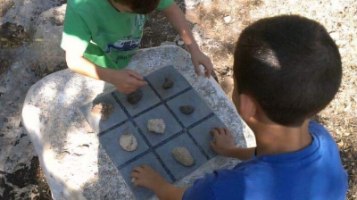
(127, 81)
(147, 177)
(199, 58)
(223, 141)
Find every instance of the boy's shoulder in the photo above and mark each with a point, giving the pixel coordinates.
(285, 174)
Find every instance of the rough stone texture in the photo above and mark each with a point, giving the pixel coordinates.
(183, 156)
(128, 142)
(17, 156)
(58, 131)
(156, 126)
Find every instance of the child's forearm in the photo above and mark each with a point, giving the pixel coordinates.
(169, 192)
(240, 153)
(82, 66)
(179, 22)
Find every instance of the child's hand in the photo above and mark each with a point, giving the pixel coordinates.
(223, 141)
(127, 81)
(199, 58)
(147, 177)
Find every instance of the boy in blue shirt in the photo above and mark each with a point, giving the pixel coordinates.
(286, 69)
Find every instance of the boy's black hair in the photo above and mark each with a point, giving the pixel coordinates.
(140, 6)
(289, 65)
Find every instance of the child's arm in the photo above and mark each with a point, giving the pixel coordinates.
(223, 143)
(125, 81)
(178, 20)
(145, 176)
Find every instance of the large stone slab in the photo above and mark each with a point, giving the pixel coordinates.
(75, 163)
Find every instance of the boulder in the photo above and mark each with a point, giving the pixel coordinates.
(75, 164)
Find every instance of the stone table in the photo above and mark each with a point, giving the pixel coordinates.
(75, 165)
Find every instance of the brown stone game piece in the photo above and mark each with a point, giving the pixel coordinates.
(168, 83)
(134, 97)
(187, 109)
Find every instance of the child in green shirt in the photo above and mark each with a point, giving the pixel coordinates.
(101, 36)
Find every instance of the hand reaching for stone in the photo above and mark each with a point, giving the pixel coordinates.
(223, 141)
(147, 177)
(127, 81)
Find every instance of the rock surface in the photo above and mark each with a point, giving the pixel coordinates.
(58, 130)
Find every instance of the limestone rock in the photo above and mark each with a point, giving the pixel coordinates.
(156, 126)
(183, 156)
(128, 142)
(227, 19)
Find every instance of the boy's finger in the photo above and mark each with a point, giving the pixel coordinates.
(209, 68)
(214, 132)
(137, 83)
(197, 68)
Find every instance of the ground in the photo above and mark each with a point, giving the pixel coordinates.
(216, 26)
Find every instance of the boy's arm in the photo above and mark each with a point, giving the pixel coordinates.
(223, 143)
(178, 21)
(125, 81)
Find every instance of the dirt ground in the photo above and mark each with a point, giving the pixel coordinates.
(216, 26)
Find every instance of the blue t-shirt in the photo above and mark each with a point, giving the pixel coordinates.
(314, 172)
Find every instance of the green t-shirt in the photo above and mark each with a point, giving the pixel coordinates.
(101, 33)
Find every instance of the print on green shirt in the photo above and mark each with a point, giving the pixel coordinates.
(101, 34)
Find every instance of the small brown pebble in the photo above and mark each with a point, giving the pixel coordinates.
(168, 83)
(134, 97)
(103, 109)
(187, 109)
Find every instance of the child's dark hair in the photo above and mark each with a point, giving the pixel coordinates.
(140, 6)
(289, 65)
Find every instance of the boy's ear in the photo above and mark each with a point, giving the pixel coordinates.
(247, 107)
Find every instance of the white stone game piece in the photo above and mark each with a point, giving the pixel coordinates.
(183, 156)
(128, 142)
(156, 126)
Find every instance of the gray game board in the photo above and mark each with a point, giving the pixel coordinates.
(201, 133)
(110, 142)
(157, 79)
(178, 170)
(193, 99)
(190, 131)
(149, 99)
(151, 160)
(172, 126)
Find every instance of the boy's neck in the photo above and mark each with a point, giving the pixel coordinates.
(275, 139)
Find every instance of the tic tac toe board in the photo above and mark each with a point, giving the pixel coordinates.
(190, 131)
